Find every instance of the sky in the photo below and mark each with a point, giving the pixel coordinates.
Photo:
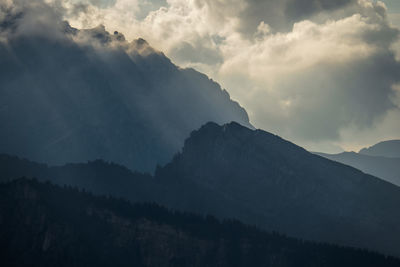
(324, 74)
(393, 7)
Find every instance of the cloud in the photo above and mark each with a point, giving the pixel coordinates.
(35, 22)
(307, 70)
(307, 80)
(385, 129)
(312, 82)
(280, 15)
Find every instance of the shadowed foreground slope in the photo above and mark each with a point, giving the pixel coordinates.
(46, 225)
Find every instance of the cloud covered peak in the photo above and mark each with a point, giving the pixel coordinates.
(70, 94)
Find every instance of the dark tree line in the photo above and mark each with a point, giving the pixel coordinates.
(46, 225)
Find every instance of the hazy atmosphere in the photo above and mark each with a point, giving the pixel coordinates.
(200, 133)
(323, 74)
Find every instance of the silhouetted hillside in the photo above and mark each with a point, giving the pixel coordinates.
(382, 167)
(69, 95)
(46, 225)
(102, 178)
(233, 172)
(97, 176)
(290, 190)
(390, 148)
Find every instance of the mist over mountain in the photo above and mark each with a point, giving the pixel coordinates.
(390, 148)
(85, 107)
(231, 171)
(46, 225)
(387, 168)
(70, 95)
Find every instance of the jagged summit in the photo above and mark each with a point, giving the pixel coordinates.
(234, 134)
(231, 127)
(92, 94)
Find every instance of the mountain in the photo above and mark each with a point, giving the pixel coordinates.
(231, 171)
(104, 178)
(382, 167)
(45, 225)
(290, 190)
(70, 95)
(390, 149)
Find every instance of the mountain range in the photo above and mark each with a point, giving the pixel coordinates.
(88, 109)
(231, 171)
(381, 160)
(389, 149)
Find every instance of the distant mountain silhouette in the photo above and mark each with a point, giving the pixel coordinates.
(80, 95)
(257, 177)
(46, 225)
(382, 167)
(390, 148)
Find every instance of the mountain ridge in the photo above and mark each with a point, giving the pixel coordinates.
(280, 180)
(259, 178)
(386, 168)
(388, 148)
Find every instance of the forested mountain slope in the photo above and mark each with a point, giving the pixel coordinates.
(46, 225)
